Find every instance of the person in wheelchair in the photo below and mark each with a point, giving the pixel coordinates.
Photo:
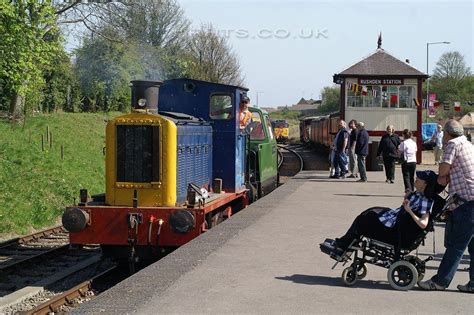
(384, 224)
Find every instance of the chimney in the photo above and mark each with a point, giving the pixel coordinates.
(145, 95)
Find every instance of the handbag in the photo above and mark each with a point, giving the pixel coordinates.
(452, 202)
(399, 155)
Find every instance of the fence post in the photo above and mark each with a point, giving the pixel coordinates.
(42, 142)
(62, 152)
(47, 133)
(50, 139)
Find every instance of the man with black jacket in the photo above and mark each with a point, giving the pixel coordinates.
(388, 148)
(362, 150)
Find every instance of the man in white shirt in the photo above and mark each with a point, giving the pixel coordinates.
(408, 148)
(438, 139)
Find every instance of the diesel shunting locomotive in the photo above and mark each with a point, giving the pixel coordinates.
(177, 165)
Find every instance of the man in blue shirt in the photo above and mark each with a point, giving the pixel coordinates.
(362, 150)
(340, 148)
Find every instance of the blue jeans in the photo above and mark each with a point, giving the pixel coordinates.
(459, 236)
(340, 163)
(361, 166)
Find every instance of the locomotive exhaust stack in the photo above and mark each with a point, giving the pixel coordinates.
(145, 95)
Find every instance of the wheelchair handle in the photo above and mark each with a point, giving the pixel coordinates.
(428, 259)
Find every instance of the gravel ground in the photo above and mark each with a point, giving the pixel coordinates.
(59, 288)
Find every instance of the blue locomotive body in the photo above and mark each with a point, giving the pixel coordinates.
(218, 104)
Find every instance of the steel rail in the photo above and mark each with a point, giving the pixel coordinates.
(280, 159)
(7, 267)
(67, 297)
(295, 153)
(32, 237)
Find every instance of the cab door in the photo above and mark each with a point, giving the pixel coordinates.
(263, 143)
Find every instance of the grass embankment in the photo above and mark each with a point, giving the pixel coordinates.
(36, 185)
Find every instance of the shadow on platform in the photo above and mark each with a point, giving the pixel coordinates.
(335, 282)
(437, 257)
(367, 195)
(326, 179)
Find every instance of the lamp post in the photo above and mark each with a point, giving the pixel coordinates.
(257, 96)
(428, 74)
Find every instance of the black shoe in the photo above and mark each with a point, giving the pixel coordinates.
(331, 245)
(327, 247)
(333, 176)
(361, 180)
(466, 288)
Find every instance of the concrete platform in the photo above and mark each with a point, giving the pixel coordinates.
(266, 259)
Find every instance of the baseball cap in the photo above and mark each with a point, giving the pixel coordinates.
(428, 176)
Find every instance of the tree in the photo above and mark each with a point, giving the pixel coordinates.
(211, 58)
(30, 40)
(330, 99)
(156, 30)
(451, 66)
(452, 79)
(61, 90)
(105, 69)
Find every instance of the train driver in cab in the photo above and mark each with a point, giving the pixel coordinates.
(245, 114)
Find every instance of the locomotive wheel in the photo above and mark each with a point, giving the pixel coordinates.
(349, 277)
(361, 271)
(419, 265)
(402, 275)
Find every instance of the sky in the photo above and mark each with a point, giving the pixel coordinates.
(291, 49)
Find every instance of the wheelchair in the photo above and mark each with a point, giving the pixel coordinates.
(404, 269)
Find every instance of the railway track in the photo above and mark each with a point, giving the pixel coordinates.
(29, 264)
(297, 157)
(80, 293)
(41, 274)
(19, 252)
(290, 162)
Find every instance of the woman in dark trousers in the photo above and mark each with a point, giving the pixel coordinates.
(388, 149)
(408, 148)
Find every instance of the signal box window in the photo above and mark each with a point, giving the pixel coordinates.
(407, 94)
(221, 107)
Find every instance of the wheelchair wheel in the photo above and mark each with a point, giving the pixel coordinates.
(349, 276)
(361, 271)
(419, 265)
(402, 275)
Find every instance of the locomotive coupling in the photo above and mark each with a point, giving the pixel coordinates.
(75, 219)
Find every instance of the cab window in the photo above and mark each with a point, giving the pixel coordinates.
(269, 126)
(257, 132)
(221, 107)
